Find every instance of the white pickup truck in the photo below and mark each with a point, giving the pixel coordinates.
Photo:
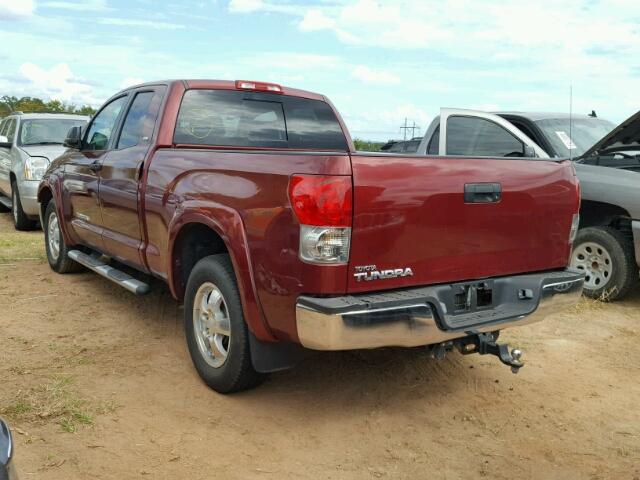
(607, 163)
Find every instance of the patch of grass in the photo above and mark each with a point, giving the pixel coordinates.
(67, 425)
(56, 401)
(17, 246)
(586, 306)
(19, 408)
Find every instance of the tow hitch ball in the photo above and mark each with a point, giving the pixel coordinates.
(482, 343)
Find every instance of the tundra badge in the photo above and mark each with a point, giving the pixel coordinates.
(371, 272)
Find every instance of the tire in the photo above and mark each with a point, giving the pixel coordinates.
(217, 335)
(607, 257)
(20, 219)
(59, 260)
(4, 209)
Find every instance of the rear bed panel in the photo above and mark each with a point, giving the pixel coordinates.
(410, 212)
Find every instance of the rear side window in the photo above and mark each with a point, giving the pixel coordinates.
(434, 144)
(472, 136)
(247, 119)
(140, 121)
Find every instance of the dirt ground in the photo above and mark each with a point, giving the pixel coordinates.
(98, 384)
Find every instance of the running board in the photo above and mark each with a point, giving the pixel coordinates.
(125, 280)
(6, 201)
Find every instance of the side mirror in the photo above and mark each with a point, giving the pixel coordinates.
(74, 138)
(4, 142)
(529, 152)
(6, 452)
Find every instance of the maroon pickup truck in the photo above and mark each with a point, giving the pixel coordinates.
(249, 200)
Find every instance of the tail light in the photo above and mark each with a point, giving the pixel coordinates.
(324, 206)
(258, 86)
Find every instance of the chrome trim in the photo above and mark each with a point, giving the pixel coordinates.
(635, 228)
(322, 331)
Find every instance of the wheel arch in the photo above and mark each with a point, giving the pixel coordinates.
(603, 214)
(47, 192)
(195, 235)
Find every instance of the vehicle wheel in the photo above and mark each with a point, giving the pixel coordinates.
(57, 249)
(217, 335)
(607, 258)
(20, 219)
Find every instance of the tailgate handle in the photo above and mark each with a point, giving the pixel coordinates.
(482, 192)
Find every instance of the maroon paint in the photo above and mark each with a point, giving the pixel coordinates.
(408, 212)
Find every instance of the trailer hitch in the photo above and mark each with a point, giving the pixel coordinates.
(485, 343)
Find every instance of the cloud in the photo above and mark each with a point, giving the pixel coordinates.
(130, 82)
(58, 82)
(16, 9)
(315, 20)
(380, 123)
(246, 6)
(129, 22)
(83, 6)
(374, 77)
(294, 61)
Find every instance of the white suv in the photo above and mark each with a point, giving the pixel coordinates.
(28, 143)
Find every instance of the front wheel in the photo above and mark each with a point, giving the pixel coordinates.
(606, 257)
(217, 335)
(20, 219)
(57, 249)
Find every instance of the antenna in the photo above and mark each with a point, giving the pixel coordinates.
(570, 120)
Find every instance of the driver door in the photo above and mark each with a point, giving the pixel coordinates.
(479, 134)
(81, 175)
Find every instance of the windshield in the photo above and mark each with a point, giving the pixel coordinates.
(574, 140)
(47, 131)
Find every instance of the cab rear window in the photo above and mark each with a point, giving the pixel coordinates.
(261, 120)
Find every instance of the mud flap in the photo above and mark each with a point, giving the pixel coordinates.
(267, 357)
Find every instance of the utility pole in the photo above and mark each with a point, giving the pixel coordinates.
(406, 128)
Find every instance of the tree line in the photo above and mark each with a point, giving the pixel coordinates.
(10, 104)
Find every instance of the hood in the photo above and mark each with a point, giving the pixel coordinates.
(625, 136)
(49, 151)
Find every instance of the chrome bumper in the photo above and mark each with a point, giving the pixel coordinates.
(415, 317)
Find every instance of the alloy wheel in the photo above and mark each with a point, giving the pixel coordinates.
(211, 324)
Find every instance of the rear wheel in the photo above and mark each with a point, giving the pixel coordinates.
(217, 335)
(606, 257)
(57, 249)
(20, 219)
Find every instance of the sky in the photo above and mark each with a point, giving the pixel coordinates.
(378, 61)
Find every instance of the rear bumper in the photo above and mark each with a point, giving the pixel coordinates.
(635, 227)
(426, 315)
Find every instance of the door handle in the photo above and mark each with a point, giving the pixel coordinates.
(482, 192)
(95, 166)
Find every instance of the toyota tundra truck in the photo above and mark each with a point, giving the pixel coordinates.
(249, 200)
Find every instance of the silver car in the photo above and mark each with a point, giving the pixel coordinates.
(28, 143)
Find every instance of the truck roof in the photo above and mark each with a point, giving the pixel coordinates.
(535, 116)
(228, 85)
(54, 116)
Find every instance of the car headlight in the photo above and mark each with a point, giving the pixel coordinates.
(34, 168)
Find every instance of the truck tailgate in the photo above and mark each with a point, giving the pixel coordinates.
(410, 212)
